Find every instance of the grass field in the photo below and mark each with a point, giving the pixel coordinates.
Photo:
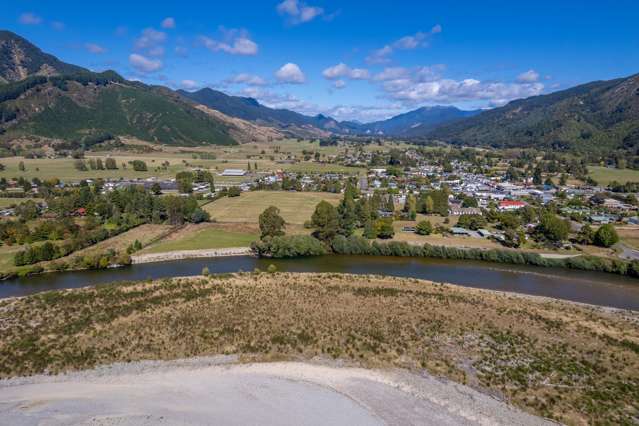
(8, 202)
(208, 236)
(605, 175)
(576, 364)
(295, 207)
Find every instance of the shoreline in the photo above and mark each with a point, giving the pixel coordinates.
(190, 254)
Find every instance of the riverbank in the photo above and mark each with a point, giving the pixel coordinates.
(197, 390)
(190, 254)
(548, 357)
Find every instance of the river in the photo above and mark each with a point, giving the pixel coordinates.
(578, 286)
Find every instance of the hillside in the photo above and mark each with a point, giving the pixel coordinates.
(417, 122)
(593, 117)
(71, 107)
(20, 59)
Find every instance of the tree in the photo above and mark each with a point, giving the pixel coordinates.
(234, 191)
(563, 179)
(471, 221)
(537, 178)
(99, 164)
(553, 228)
(139, 165)
(325, 220)
(184, 182)
(385, 228)
(370, 231)
(363, 211)
(429, 205)
(410, 207)
(424, 228)
(80, 166)
(199, 215)
(586, 235)
(390, 205)
(156, 188)
(347, 216)
(21, 166)
(111, 164)
(271, 223)
(606, 236)
(468, 201)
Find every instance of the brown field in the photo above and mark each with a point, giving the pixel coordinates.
(295, 207)
(570, 362)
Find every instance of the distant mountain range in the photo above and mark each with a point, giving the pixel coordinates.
(44, 97)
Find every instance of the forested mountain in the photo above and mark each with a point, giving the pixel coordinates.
(20, 59)
(417, 122)
(44, 97)
(597, 116)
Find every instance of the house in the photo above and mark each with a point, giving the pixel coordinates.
(456, 230)
(509, 205)
(234, 172)
(460, 211)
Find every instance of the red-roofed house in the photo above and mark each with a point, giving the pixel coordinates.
(511, 205)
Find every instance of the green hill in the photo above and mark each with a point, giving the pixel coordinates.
(594, 117)
(72, 106)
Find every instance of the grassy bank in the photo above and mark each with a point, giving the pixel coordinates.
(573, 363)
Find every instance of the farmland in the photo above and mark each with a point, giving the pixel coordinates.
(206, 236)
(605, 175)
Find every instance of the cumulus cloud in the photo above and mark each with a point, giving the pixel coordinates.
(342, 70)
(168, 23)
(410, 42)
(94, 48)
(298, 12)
(234, 42)
(364, 113)
(290, 73)
(189, 84)
(530, 76)
(144, 64)
(248, 79)
(149, 39)
(30, 18)
(339, 84)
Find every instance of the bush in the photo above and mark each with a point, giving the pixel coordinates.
(205, 271)
(424, 228)
(288, 246)
(606, 236)
(271, 269)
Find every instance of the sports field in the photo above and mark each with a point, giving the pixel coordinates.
(295, 207)
(605, 175)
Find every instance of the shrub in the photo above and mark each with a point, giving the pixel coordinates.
(205, 271)
(606, 236)
(271, 269)
(424, 228)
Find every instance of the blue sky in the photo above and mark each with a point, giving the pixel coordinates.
(361, 60)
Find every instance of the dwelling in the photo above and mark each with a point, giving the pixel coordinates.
(456, 230)
(234, 172)
(460, 211)
(509, 205)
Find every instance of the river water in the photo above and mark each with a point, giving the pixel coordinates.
(579, 286)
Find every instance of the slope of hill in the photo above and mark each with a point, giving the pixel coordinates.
(70, 107)
(417, 122)
(20, 59)
(597, 116)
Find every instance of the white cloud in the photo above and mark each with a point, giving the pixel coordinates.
(168, 23)
(364, 113)
(342, 70)
(392, 73)
(339, 84)
(290, 73)
(58, 26)
(144, 64)
(410, 42)
(189, 84)
(156, 51)
(150, 39)
(29, 18)
(530, 76)
(298, 12)
(276, 100)
(94, 48)
(235, 42)
(248, 79)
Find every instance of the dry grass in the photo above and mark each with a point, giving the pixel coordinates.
(573, 363)
(295, 207)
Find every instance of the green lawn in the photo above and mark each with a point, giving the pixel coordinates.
(605, 175)
(8, 202)
(295, 207)
(208, 238)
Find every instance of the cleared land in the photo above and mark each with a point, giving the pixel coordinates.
(205, 236)
(295, 207)
(283, 393)
(574, 363)
(605, 175)
(8, 202)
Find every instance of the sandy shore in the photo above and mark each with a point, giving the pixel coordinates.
(190, 254)
(215, 391)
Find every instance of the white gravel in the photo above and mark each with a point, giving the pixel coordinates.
(215, 391)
